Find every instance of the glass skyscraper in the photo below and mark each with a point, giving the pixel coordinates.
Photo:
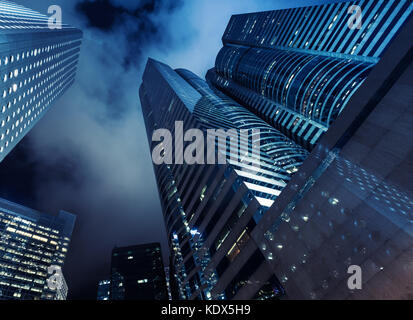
(37, 65)
(30, 243)
(290, 74)
(298, 68)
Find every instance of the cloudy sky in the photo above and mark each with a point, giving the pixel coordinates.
(89, 155)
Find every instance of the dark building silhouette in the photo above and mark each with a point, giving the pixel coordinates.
(137, 273)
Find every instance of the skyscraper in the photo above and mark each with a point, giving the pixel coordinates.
(33, 246)
(298, 68)
(62, 290)
(137, 273)
(290, 74)
(37, 65)
(205, 205)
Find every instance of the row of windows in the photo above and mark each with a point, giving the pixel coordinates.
(176, 181)
(315, 87)
(16, 57)
(14, 16)
(323, 28)
(279, 150)
(51, 96)
(18, 219)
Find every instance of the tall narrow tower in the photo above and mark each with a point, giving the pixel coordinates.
(37, 65)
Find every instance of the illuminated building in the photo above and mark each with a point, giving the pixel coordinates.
(62, 291)
(137, 273)
(103, 290)
(30, 243)
(298, 68)
(37, 65)
(213, 205)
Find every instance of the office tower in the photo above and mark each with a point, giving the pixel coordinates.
(137, 273)
(205, 205)
(291, 73)
(37, 65)
(33, 246)
(104, 290)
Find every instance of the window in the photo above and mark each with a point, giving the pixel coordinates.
(238, 245)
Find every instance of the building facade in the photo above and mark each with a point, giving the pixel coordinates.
(350, 205)
(103, 290)
(298, 68)
(137, 273)
(37, 65)
(290, 74)
(33, 247)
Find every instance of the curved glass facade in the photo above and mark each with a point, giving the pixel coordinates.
(315, 87)
(279, 155)
(298, 68)
(289, 73)
(203, 204)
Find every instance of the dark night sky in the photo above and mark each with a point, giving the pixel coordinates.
(89, 155)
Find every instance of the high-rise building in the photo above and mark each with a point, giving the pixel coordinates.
(103, 290)
(204, 205)
(33, 247)
(290, 74)
(298, 68)
(37, 65)
(137, 273)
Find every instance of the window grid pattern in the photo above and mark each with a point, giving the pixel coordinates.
(35, 70)
(298, 68)
(30, 242)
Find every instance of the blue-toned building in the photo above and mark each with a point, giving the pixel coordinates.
(205, 205)
(298, 68)
(30, 243)
(291, 74)
(103, 290)
(138, 273)
(37, 65)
